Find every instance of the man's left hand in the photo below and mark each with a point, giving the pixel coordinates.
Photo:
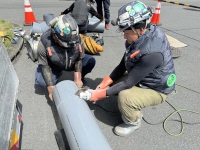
(79, 83)
(50, 90)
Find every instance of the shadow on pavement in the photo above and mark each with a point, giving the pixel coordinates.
(192, 9)
(105, 110)
(43, 91)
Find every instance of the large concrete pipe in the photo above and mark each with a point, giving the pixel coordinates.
(80, 126)
(95, 25)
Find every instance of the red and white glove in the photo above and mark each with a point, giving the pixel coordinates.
(93, 95)
(105, 83)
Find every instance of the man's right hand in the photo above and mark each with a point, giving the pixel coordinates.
(77, 79)
(93, 95)
(50, 90)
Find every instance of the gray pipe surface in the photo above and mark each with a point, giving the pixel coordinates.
(80, 126)
(95, 25)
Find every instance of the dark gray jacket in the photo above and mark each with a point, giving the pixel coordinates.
(154, 40)
(79, 11)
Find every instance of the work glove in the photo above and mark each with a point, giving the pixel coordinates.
(92, 95)
(77, 79)
(50, 90)
(105, 83)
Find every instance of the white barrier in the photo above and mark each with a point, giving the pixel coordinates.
(8, 90)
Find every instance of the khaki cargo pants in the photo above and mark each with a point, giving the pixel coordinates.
(131, 101)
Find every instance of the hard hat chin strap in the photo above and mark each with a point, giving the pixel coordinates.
(134, 30)
(145, 27)
(147, 22)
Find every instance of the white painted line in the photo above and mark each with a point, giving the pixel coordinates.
(175, 43)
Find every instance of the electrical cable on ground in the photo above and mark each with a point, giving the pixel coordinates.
(167, 119)
(181, 120)
(15, 41)
(23, 42)
(9, 38)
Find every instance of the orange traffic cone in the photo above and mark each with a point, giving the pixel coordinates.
(156, 15)
(29, 15)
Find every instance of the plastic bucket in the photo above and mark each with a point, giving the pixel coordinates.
(38, 28)
(47, 18)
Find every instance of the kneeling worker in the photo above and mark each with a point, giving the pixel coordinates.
(80, 10)
(147, 67)
(60, 51)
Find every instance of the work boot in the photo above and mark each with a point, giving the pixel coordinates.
(107, 26)
(127, 128)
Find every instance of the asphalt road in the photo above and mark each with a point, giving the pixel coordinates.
(40, 117)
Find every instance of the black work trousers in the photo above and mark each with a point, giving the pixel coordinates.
(106, 13)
